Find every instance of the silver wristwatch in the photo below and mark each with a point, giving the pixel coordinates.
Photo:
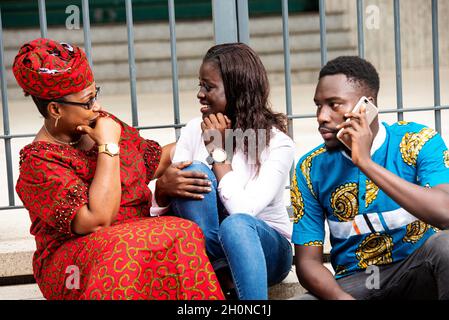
(218, 155)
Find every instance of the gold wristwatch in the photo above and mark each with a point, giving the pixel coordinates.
(111, 149)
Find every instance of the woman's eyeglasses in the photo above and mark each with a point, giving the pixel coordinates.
(86, 105)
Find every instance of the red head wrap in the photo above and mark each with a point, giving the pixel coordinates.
(49, 70)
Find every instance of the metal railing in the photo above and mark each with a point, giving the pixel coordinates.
(226, 31)
(400, 110)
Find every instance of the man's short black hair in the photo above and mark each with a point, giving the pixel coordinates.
(356, 69)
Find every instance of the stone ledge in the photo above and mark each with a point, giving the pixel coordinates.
(16, 257)
(287, 289)
(185, 30)
(21, 292)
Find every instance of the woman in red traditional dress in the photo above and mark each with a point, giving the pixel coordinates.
(84, 180)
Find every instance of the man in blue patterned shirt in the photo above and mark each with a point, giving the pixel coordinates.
(384, 200)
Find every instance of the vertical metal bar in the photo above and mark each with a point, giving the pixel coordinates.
(225, 21)
(436, 65)
(5, 113)
(86, 30)
(323, 42)
(287, 72)
(398, 59)
(42, 18)
(243, 21)
(174, 64)
(360, 24)
(131, 62)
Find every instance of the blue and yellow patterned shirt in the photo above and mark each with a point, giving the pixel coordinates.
(366, 226)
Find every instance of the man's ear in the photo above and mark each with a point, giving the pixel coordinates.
(53, 109)
(372, 100)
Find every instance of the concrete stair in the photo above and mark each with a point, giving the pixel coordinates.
(21, 292)
(16, 257)
(152, 50)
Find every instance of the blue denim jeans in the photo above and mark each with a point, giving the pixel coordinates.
(258, 256)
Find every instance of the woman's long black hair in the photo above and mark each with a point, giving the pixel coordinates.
(247, 90)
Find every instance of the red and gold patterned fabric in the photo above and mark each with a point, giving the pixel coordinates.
(138, 257)
(49, 70)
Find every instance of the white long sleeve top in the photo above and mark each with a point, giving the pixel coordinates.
(241, 190)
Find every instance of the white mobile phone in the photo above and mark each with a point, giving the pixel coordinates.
(371, 113)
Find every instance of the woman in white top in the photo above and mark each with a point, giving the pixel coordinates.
(241, 145)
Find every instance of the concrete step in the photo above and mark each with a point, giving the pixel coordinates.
(290, 286)
(287, 289)
(152, 50)
(159, 31)
(153, 69)
(159, 50)
(16, 257)
(111, 60)
(155, 76)
(21, 292)
(17, 245)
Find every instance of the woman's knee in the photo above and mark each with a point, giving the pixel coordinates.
(237, 228)
(199, 166)
(237, 222)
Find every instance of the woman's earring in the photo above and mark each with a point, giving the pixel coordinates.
(56, 122)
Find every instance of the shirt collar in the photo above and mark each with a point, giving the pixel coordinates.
(378, 141)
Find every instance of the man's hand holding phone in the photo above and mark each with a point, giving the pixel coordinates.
(355, 133)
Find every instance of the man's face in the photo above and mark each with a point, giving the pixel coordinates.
(334, 97)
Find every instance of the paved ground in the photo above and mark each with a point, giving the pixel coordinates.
(156, 109)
